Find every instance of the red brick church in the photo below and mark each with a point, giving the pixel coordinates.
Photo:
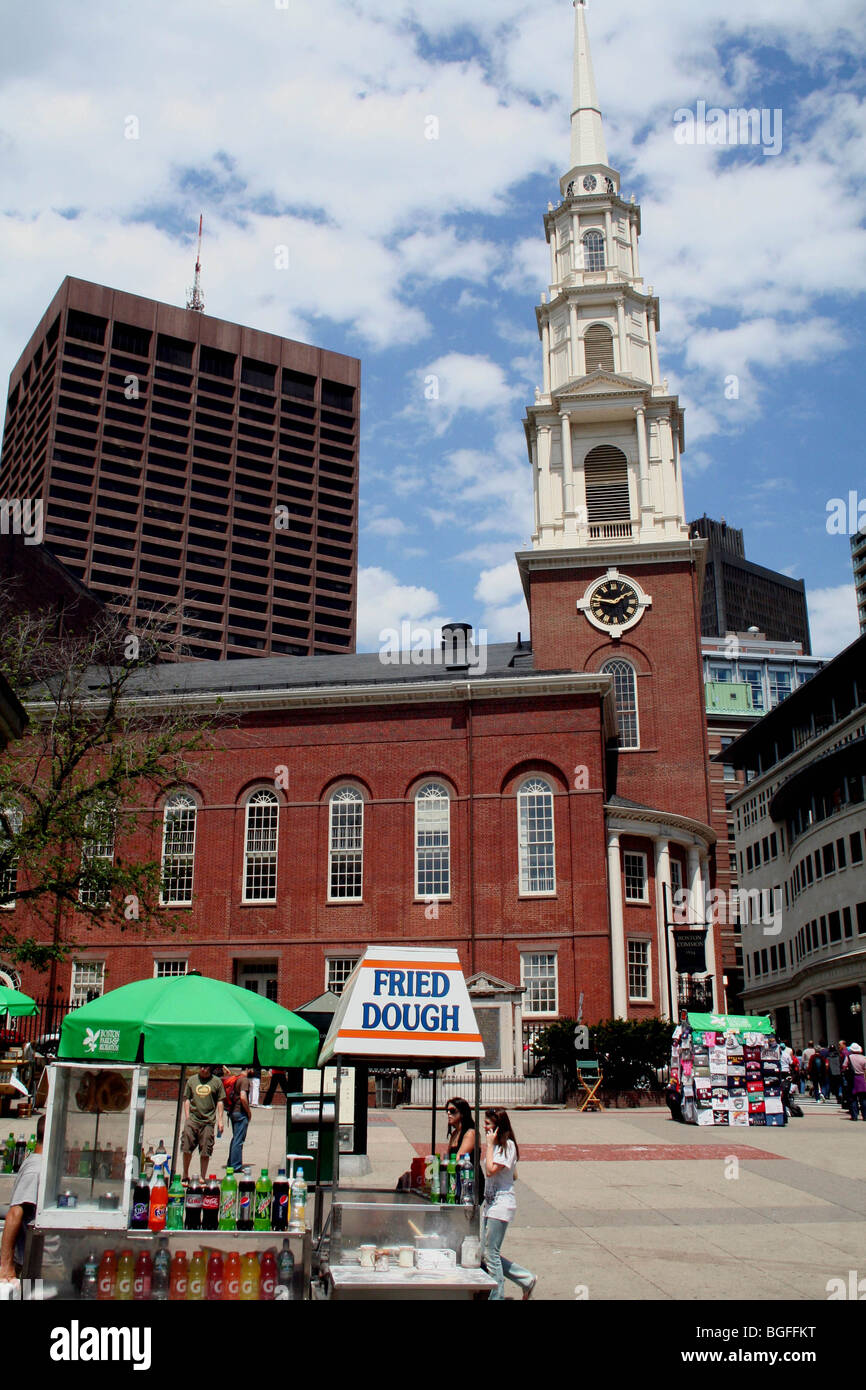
(533, 809)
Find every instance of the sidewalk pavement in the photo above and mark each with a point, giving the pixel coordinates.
(630, 1205)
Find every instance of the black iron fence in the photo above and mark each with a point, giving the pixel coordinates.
(16, 1032)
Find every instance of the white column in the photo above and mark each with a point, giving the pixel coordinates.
(553, 275)
(696, 884)
(653, 345)
(635, 258)
(545, 348)
(644, 495)
(711, 934)
(609, 258)
(536, 489)
(567, 472)
(832, 1019)
(575, 344)
(663, 893)
(617, 929)
(577, 252)
(545, 517)
(624, 350)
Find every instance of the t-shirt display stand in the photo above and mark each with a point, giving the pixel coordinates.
(728, 1070)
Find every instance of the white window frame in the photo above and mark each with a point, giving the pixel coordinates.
(530, 789)
(258, 860)
(530, 962)
(626, 701)
(80, 988)
(174, 863)
(96, 849)
(595, 236)
(676, 875)
(345, 856)
(160, 974)
(10, 886)
(635, 854)
(645, 964)
(434, 859)
(350, 961)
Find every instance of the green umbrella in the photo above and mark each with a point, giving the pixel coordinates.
(187, 1019)
(16, 1004)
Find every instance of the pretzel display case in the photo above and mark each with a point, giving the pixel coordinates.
(92, 1142)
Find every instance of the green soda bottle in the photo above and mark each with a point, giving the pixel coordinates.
(175, 1209)
(31, 1144)
(264, 1200)
(451, 1166)
(8, 1153)
(229, 1202)
(85, 1165)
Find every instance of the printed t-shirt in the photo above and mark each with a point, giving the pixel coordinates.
(203, 1097)
(500, 1203)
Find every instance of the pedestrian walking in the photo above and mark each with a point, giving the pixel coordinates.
(240, 1116)
(500, 1158)
(278, 1078)
(855, 1062)
(834, 1074)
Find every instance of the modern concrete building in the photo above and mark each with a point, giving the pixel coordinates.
(189, 464)
(745, 674)
(740, 595)
(858, 558)
(800, 831)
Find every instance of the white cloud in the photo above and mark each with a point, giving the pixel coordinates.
(496, 585)
(460, 382)
(383, 602)
(832, 618)
(386, 526)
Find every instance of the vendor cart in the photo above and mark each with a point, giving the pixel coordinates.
(92, 1150)
(406, 1006)
(726, 1070)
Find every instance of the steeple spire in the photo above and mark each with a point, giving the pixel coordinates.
(587, 135)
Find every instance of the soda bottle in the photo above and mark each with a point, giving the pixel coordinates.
(451, 1190)
(232, 1276)
(280, 1205)
(192, 1213)
(142, 1280)
(161, 1268)
(298, 1216)
(264, 1200)
(9, 1153)
(140, 1206)
(215, 1275)
(197, 1281)
(107, 1277)
(267, 1276)
(210, 1205)
(90, 1278)
(250, 1278)
(179, 1277)
(85, 1163)
(467, 1183)
(161, 1158)
(158, 1200)
(246, 1193)
(125, 1276)
(174, 1211)
(286, 1269)
(228, 1202)
(31, 1146)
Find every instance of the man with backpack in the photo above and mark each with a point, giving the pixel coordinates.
(237, 1090)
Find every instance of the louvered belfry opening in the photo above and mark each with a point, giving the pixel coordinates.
(598, 348)
(606, 475)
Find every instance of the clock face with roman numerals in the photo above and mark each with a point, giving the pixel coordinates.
(614, 602)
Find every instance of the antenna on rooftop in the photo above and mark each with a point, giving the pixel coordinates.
(195, 298)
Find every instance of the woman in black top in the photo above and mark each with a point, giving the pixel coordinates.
(461, 1127)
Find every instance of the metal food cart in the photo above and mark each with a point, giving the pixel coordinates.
(409, 1004)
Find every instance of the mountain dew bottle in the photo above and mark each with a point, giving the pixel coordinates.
(229, 1202)
(264, 1201)
(175, 1208)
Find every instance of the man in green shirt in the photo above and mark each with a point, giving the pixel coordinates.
(203, 1108)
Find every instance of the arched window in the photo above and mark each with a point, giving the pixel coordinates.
(535, 847)
(598, 347)
(260, 847)
(346, 845)
(432, 841)
(605, 470)
(178, 848)
(625, 694)
(593, 250)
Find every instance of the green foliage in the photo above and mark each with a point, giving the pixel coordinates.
(630, 1050)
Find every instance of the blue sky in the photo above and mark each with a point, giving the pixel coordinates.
(306, 126)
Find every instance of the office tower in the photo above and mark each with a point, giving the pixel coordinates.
(858, 559)
(192, 464)
(739, 595)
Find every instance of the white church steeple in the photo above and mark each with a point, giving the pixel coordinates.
(604, 435)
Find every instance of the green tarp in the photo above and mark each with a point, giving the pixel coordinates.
(729, 1023)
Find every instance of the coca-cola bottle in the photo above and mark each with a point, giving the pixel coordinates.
(210, 1205)
(192, 1214)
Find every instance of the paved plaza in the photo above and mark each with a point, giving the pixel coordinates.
(627, 1204)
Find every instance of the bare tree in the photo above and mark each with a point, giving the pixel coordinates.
(79, 792)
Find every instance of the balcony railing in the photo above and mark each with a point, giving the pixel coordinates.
(611, 530)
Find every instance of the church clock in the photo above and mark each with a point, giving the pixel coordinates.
(614, 603)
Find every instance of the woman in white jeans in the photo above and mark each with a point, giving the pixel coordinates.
(500, 1156)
